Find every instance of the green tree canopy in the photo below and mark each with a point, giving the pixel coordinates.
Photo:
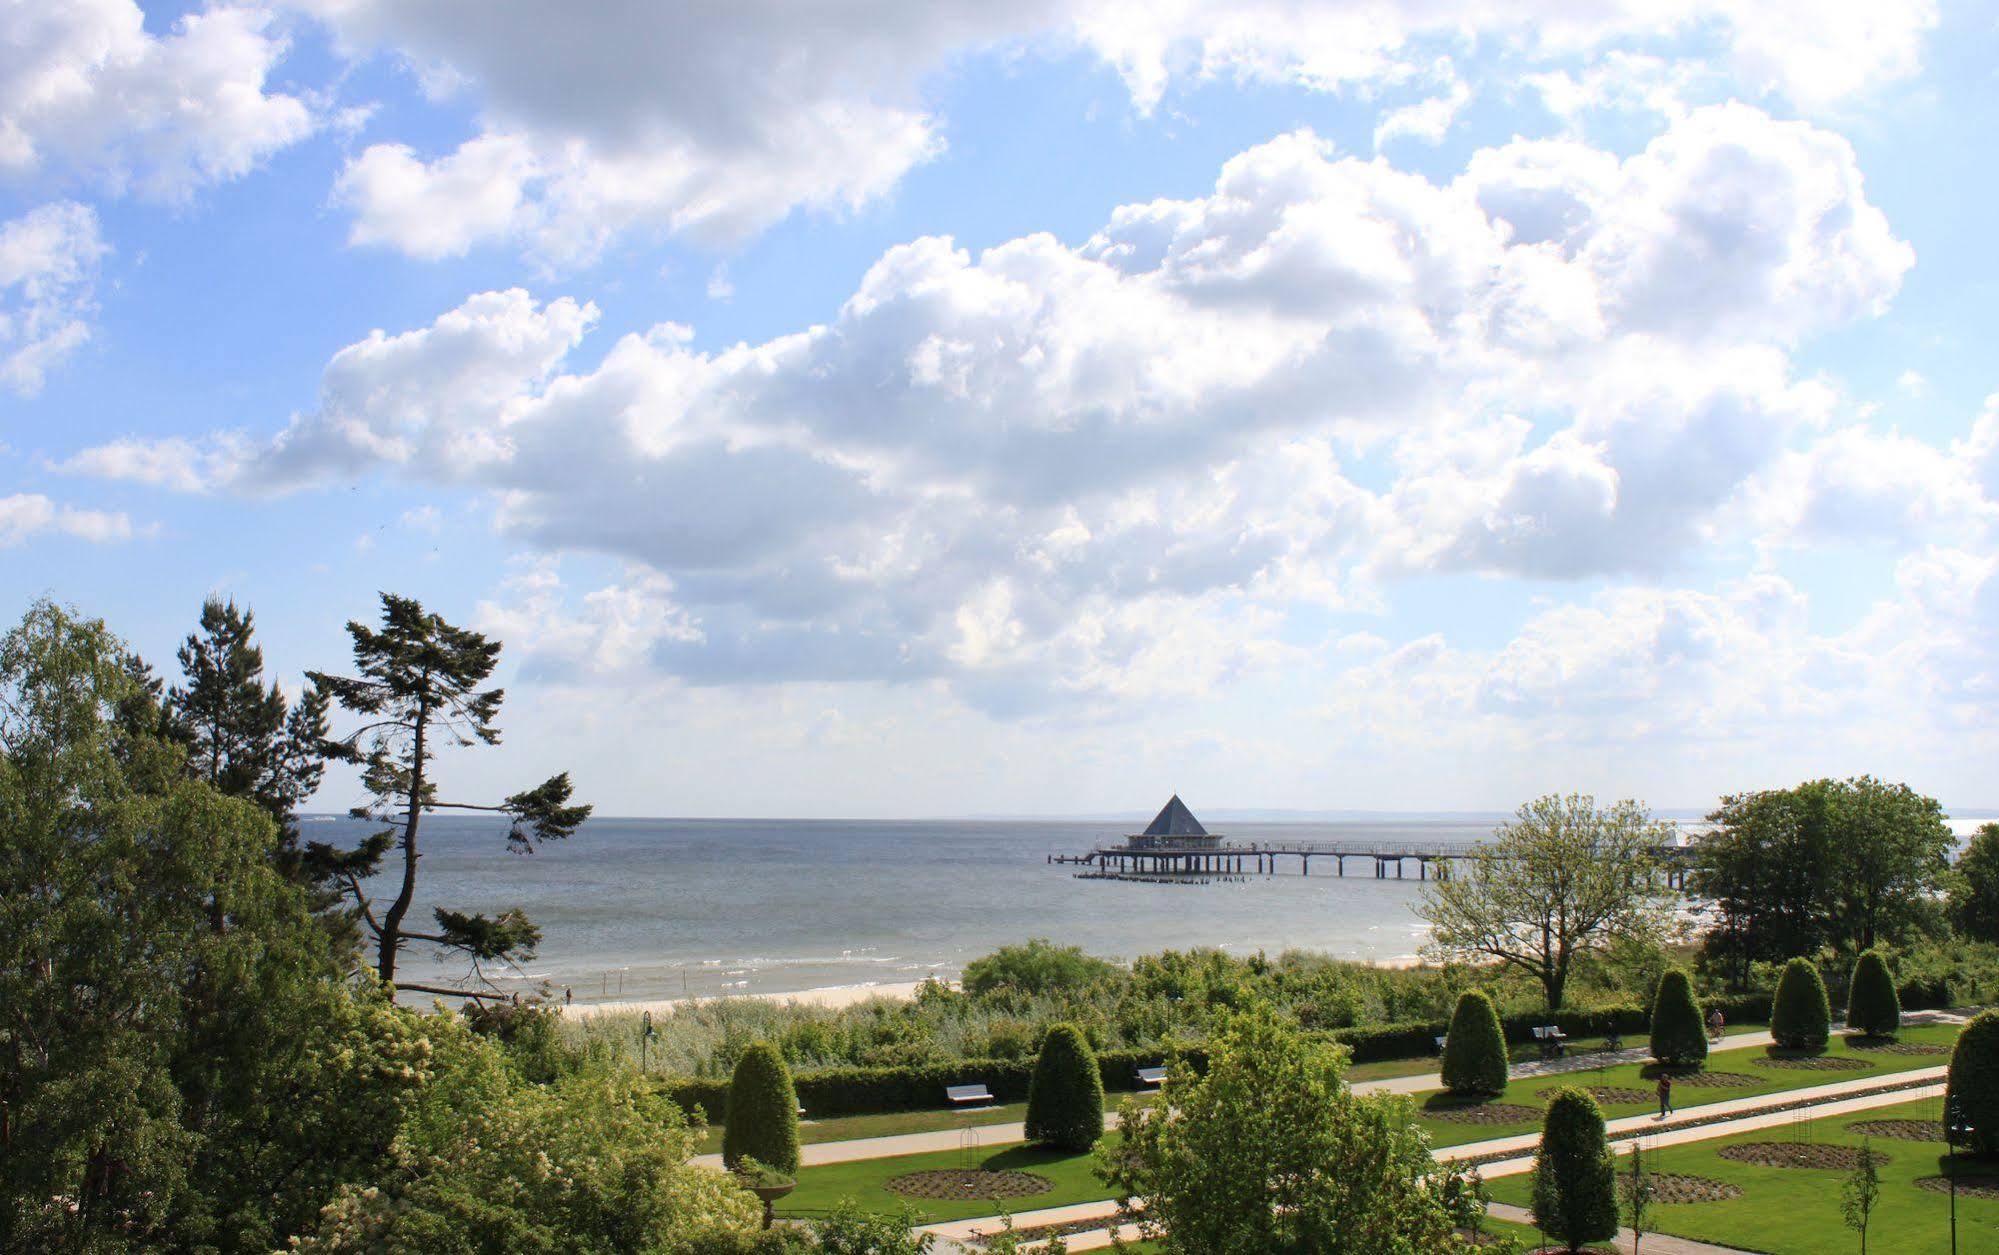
(1830, 862)
(1563, 879)
(1269, 1151)
(178, 1062)
(1973, 901)
(419, 690)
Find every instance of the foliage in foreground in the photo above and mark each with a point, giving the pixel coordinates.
(1270, 1151)
(184, 1065)
(1972, 1092)
(1678, 1035)
(1475, 1058)
(1800, 1014)
(1065, 1101)
(1575, 1180)
(762, 1119)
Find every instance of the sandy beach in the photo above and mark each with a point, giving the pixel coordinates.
(833, 996)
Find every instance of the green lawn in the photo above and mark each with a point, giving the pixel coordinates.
(1533, 1092)
(864, 1181)
(890, 1123)
(1796, 1211)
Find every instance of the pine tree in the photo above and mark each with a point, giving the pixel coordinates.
(1678, 1036)
(761, 1121)
(240, 735)
(1575, 1182)
(1065, 1098)
(1475, 1059)
(1872, 1005)
(418, 689)
(1800, 1015)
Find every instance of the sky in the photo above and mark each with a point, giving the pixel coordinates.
(933, 407)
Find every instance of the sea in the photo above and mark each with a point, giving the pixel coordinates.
(640, 909)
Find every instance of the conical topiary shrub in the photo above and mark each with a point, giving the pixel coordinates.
(1475, 1048)
(762, 1113)
(1872, 1005)
(1575, 1183)
(1678, 1036)
(1971, 1094)
(1065, 1097)
(1800, 1016)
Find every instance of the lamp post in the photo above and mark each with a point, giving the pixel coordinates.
(646, 1034)
(1956, 1128)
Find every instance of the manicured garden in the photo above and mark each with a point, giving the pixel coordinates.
(1453, 1121)
(1796, 1210)
(1070, 1177)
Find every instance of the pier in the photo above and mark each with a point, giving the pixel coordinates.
(1176, 848)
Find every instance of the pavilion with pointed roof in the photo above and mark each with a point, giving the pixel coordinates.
(1174, 827)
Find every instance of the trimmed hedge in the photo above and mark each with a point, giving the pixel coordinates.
(1575, 1182)
(1872, 1005)
(830, 1092)
(762, 1112)
(1678, 1036)
(1800, 1015)
(1972, 1091)
(1065, 1097)
(1475, 1058)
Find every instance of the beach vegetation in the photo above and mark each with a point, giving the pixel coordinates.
(1269, 1150)
(1679, 1037)
(761, 1120)
(1065, 1100)
(1564, 878)
(1035, 968)
(1475, 1057)
(1872, 1005)
(417, 691)
(1800, 1013)
(1971, 1092)
(1973, 896)
(1575, 1180)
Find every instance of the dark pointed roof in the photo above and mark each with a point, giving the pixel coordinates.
(1175, 820)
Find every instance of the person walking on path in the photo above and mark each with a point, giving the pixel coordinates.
(1665, 1095)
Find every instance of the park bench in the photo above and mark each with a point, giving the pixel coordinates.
(964, 1096)
(1553, 1041)
(1154, 1077)
(1438, 1041)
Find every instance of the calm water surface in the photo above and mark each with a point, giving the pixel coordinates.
(648, 908)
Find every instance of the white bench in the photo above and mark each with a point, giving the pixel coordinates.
(969, 1095)
(1553, 1040)
(1152, 1076)
(1439, 1040)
